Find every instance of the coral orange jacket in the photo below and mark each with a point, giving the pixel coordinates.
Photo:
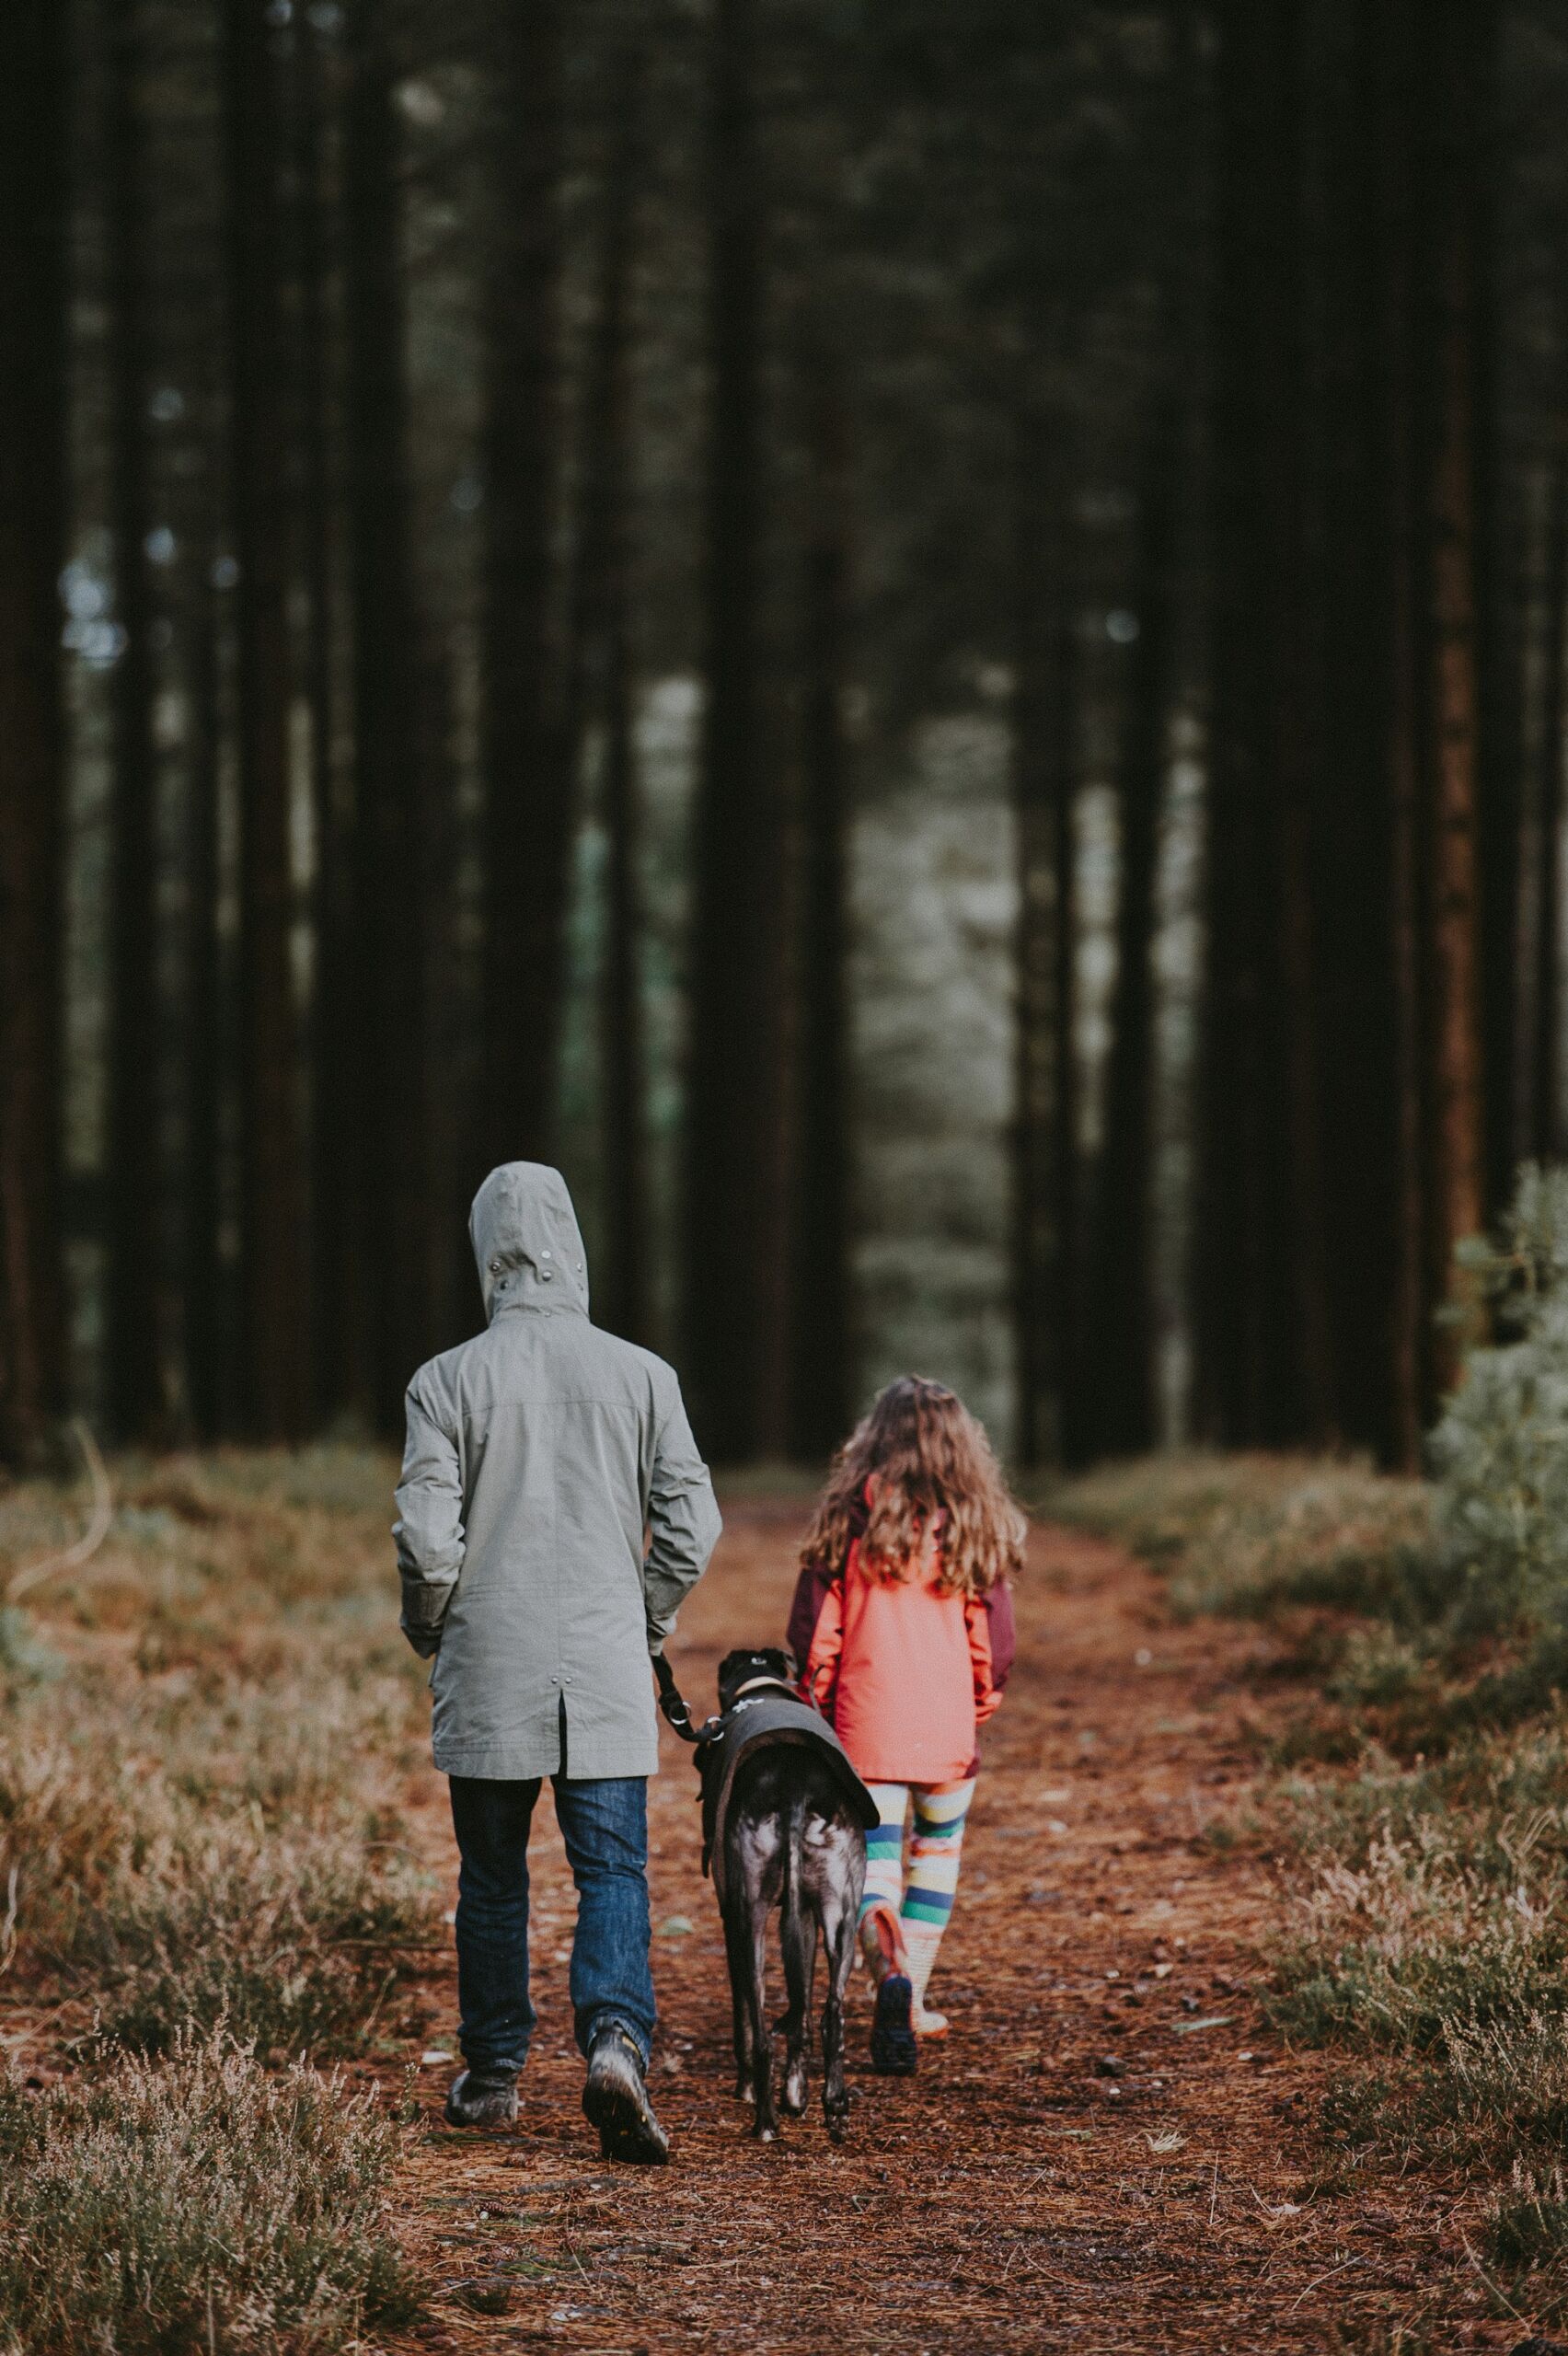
(904, 1673)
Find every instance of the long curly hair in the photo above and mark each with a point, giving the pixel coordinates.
(917, 1453)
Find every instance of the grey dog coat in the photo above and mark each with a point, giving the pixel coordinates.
(761, 1720)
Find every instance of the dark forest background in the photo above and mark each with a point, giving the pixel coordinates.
(926, 642)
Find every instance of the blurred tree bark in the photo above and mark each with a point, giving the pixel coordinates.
(732, 1227)
(341, 1337)
(133, 1351)
(208, 1381)
(605, 684)
(1544, 1124)
(1245, 1307)
(1044, 781)
(274, 1353)
(390, 1131)
(528, 780)
(820, 1290)
(1460, 35)
(34, 149)
(1122, 1391)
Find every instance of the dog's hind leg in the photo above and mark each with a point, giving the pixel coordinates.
(838, 1935)
(765, 2127)
(738, 1951)
(797, 1938)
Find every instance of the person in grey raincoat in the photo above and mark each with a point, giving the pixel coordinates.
(553, 1511)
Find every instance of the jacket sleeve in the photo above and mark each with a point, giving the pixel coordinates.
(827, 1649)
(1002, 1629)
(811, 1591)
(987, 1691)
(429, 1527)
(682, 1520)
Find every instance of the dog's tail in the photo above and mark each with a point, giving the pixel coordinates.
(797, 1934)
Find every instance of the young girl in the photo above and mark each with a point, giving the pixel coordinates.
(903, 1619)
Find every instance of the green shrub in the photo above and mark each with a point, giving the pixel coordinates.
(196, 2204)
(1500, 1454)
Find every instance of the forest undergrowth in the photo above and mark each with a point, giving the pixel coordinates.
(201, 1875)
(1418, 1802)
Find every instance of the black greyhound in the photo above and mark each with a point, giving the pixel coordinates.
(785, 1818)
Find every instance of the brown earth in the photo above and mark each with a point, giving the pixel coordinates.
(1111, 2151)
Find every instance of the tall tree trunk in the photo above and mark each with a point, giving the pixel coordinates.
(34, 144)
(340, 1316)
(604, 677)
(203, 1315)
(1044, 1156)
(392, 1192)
(132, 1355)
(528, 779)
(822, 1283)
(1121, 1400)
(1246, 1308)
(733, 1240)
(272, 1351)
(1460, 34)
(1544, 1126)
(1395, 426)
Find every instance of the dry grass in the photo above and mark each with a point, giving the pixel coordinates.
(1425, 1919)
(202, 2203)
(1247, 1534)
(196, 1752)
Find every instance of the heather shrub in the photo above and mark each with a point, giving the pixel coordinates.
(199, 2203)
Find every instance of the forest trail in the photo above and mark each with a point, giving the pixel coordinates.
(1105, 2155)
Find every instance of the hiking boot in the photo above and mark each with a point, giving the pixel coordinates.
(616, 2101)
(894, 2053)
(482, 2098)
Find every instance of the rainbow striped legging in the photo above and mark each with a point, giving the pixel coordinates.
(934, 1846)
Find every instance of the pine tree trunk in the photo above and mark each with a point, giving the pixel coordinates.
(1247, 1303)
(732, 1226)
(603, 670)
(392, 1208)
(133, 1353)
(1458, 38)
(272, 1352)
(202, 1310)
(1391, 70)
(1545, 1128)
(340, 1316)
(528, 780)
(1123, 1395)
(33, 296)
(821, 1289)
(1044, 1157)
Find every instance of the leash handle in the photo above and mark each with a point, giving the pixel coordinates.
(674, 1708)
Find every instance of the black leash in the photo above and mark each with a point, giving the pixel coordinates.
(674, 1708)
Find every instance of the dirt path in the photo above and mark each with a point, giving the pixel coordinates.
(1104, 2155)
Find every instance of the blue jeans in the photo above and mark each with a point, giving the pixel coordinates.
(605, 1826)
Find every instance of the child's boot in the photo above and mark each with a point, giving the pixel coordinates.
(921, 1941)
(894, 2052)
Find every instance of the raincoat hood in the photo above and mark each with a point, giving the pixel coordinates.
(527, 1244)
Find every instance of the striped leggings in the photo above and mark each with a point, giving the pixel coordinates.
(925, 1903)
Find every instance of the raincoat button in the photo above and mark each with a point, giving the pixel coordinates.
(544, 1255)
(495, 1267)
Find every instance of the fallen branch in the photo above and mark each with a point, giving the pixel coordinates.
(31, 1575)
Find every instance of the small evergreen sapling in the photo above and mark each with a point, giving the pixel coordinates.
(1499, 1452)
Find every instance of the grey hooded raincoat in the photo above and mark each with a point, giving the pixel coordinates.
(537, 1456)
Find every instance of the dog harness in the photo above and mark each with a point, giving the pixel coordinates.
(764, 1714)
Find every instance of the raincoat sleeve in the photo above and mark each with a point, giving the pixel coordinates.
(682, 1522)
(989, 1683)
(429, 1528)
